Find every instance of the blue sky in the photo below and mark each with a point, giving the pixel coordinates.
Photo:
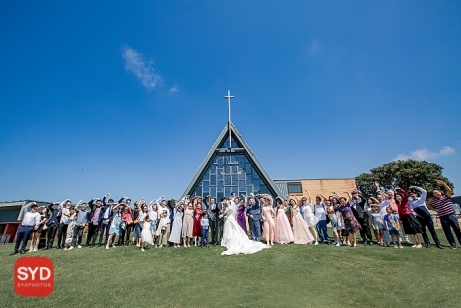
(127, 97)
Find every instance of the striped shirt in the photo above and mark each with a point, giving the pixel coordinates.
(443, 206)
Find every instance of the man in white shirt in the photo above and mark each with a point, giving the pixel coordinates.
(64, 223)
(29, 224)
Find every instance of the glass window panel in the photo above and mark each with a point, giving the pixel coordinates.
(213, 169)
(256, 185)
(220, 186)
(227, 191)
(213, 180)
(255, 175)
(242, 186)
(220, 176)
(263, 189)
(206, 185)
(241, 175)
(249, 178)
(213, 191)
(198, 191)
(295, 188)
(228, 169)
(227, 180)
(206, 176)
(248, 168)
(220, 161)
(235, 169)
(249, 189)
(219, 196)
(234, 180)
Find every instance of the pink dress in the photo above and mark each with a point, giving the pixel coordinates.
(268, 224)
(283, 233)
(301, 232)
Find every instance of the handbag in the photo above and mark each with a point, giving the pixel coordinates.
(123, 225)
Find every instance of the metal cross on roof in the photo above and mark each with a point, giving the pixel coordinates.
(229, 96)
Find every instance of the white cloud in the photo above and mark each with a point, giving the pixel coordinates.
(315, 47)
(144, 70)
(425, 154)
(174, 89)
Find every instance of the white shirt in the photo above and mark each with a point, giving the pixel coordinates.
(31, 219)
(153, 216)
(418, 202)
(319, 211)
(64, 218)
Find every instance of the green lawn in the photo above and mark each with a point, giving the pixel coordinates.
(282, 276)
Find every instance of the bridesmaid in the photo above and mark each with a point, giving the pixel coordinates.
(301, 233)
(175, 236)
(187, 223)
(197, 229)
(309, 217)
(268, 224)
(283, 232)
(241, 217)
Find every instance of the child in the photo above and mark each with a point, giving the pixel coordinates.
(205, 224)
(146, 235)
(161, 229)
(378, 224)
(115, 231)
(392, 224)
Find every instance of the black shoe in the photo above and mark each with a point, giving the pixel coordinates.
(438, 246)
(453, 246)
(13, 253)
(22, 252)
(370, 243)
(99, 245)
(428, 245)
(365, 243)
(216, 244)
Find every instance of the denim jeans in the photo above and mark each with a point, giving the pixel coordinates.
(448, 221)
(23, 235)
(322, 230)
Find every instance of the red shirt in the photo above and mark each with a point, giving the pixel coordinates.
(404, 206)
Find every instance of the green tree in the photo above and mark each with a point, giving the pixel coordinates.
(402, 173)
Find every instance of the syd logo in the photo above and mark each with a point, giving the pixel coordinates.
(33, 276)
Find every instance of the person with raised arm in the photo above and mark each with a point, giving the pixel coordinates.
(283, 232)
(418, 205)
(29, 223)
(301, 233)
(94, 223)
(351, 224)
(64, 222)
(361, 215)
(241, 207)
(268, 215)
(35, 236)
(320, 213)
(83, 217)
(175, 235)
(443, 205)
(197, 228)
(115, 231)
(106, 216)
(187, 222)
(309, 217)
(53, 223)
(410, 224)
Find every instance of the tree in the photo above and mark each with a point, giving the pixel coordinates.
(402, 173)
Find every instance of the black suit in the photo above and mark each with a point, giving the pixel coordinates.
(216, 223)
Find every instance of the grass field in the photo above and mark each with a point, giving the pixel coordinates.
(282, 276)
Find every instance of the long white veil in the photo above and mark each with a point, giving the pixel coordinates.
(233, 207)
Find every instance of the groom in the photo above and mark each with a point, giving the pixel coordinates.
(216, 222)
(254, 217)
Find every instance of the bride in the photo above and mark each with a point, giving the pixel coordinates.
(234, 238)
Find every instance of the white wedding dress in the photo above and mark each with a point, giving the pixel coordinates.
(235, 239)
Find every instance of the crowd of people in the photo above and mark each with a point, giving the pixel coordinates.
(392, 216)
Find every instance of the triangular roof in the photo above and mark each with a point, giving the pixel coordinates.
(242, 147)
